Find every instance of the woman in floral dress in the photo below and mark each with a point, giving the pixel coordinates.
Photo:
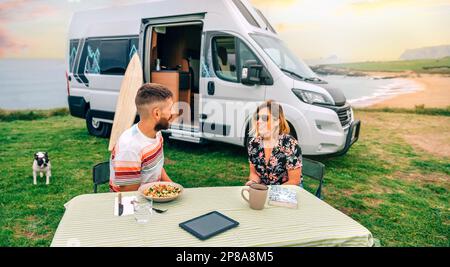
(275, 157)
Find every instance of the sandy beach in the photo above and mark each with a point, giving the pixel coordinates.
(435, 91)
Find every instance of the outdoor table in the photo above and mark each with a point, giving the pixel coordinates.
(89, 221)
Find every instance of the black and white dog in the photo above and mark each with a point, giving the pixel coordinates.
(41, 164)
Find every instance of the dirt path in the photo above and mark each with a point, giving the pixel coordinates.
(423, 132)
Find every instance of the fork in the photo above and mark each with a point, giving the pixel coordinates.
(159, 211)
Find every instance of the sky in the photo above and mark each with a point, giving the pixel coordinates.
(351, 30)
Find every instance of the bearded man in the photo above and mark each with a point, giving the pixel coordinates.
(138, 156)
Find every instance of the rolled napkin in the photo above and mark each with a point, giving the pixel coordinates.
(127, 205)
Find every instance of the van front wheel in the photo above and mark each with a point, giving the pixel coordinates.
(292, 131)
(95, 127)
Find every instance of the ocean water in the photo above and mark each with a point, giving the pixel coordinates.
(32, 84)
(41, 84)
(365, 91)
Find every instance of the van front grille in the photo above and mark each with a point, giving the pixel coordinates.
(345, 115)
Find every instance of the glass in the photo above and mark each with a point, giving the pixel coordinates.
(89, 62)
(114, 56)
(265, 20)
(73, 50)
(224, 52)
(143, 210)
(245, 54)
(246, 13)
(134, 46)
(264, 118)
(282, 56)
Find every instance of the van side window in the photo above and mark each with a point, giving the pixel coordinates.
(247, 15)
(90, 58)
(245, 54)
(73, 49)
(229, 56)
(107, 56)
(134, 45)
(224, 57)
(265, 21)
(114, 56)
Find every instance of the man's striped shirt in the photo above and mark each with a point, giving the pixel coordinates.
(136, 159)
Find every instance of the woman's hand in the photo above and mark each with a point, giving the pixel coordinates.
(253, 177)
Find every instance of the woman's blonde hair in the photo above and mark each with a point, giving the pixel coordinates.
(275, 111)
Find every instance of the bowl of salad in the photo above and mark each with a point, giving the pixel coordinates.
(161, 191)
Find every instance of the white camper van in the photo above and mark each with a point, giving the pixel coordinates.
(220, 58)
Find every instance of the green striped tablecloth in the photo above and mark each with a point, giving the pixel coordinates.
(89, 221)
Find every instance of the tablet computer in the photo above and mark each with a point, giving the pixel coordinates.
(208, 225)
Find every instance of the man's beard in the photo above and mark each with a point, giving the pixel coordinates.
(163, 124)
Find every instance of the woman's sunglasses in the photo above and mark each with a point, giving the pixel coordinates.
(264, 118)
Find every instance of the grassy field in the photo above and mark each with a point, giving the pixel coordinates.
(418, 109)
(13, 115)
(395, 186)
(420, 66)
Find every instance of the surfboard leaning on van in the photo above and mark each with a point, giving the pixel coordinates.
(219, 58)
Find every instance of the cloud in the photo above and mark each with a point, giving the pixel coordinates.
(9, 43)
(19, 20)
(18, 11)
(372, 5)
(271, 3)
(8, 5)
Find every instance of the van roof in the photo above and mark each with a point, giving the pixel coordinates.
(123, 20)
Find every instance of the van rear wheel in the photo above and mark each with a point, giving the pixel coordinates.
(97, 128)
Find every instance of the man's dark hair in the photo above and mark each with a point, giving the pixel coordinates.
(151, 93)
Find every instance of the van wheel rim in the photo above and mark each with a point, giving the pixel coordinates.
(95, 123)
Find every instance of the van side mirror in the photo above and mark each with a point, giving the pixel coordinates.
(254, 73)
(251, 72)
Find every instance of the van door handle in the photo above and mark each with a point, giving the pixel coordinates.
(203, 116)
(211, 88)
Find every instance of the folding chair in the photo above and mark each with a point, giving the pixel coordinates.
(315, 170)
(100, 174)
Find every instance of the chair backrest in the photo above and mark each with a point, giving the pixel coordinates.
(315, 170)
(100, 174)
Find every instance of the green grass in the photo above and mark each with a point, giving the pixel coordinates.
(8, 115)
(420, 109)
(420, 65)
(369, 184)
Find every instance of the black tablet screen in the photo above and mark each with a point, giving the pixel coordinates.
(208, 225)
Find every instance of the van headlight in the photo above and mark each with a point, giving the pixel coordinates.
(312, 97)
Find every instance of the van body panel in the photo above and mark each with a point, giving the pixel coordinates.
(231, 102)
(305, 117)
(104, 91)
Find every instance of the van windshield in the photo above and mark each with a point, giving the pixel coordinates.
(283, 57)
